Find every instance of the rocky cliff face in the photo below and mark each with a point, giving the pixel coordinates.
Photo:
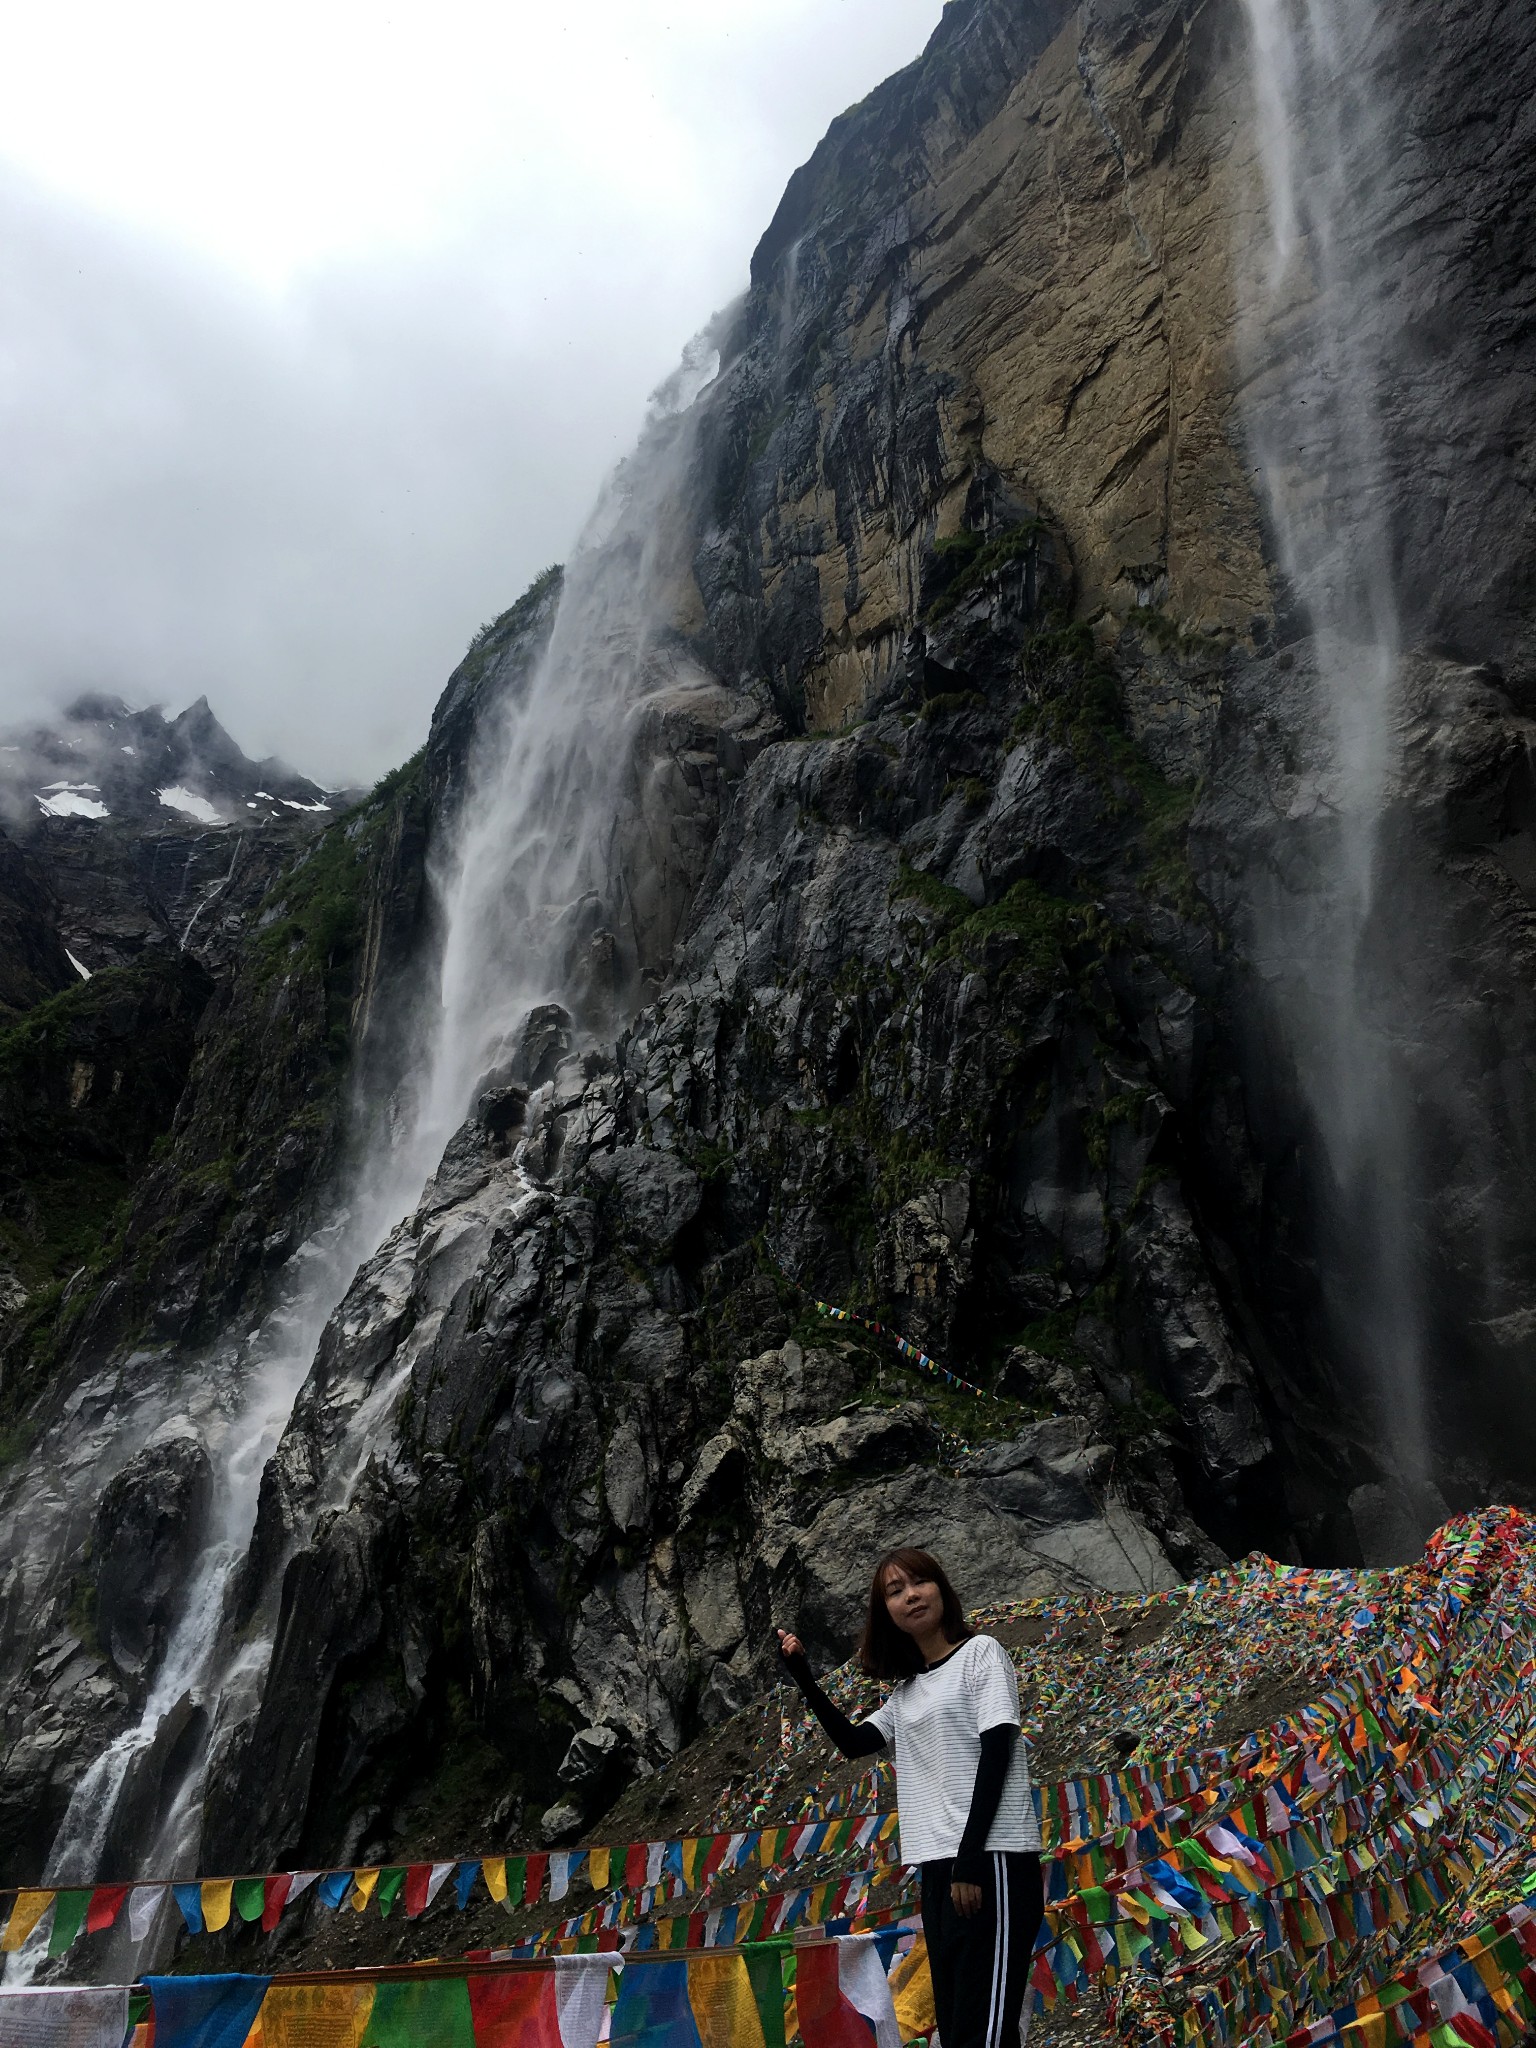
(941, 856)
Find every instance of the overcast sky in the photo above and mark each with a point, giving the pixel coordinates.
(320, 322)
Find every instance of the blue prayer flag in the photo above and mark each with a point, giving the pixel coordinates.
(653, 2010)
(205, 2012)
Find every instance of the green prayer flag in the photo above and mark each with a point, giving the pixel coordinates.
(432, 2014)
(391, 1884)
(1098, 1904)
(69, 1911)
(765, 1972)
(250, 1897)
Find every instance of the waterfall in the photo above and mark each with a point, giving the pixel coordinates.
(1317, 386)
(535, 904)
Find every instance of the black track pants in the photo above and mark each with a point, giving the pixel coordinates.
(981, 1965)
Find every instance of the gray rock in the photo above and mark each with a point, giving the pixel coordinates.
(150, 1525)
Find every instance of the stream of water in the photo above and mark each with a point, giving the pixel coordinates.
(529, 885)
(1316, 419)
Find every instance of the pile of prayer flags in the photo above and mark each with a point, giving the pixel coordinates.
(1314, 1880)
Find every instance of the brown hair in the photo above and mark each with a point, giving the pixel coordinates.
(885, 1651)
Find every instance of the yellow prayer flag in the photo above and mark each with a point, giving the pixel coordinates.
(912, 1990)
(1486, 1965)
(768, 1846)
(597, 1868)
(693, 1856)
(494, 1871)
(1369, 2030)
(364, 1884)
(25, 1914)
(216, 1894)
(316, 2015)
(724, 2010)
(888, 1827)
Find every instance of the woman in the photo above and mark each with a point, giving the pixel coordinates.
(964, 1805)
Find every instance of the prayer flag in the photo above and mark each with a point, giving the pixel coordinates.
(433, 2013)
(912, 1993)
(64, 2016)
(653, 2009)
(828, 2017)
(581, 1996)
(724, 2003)
(106, 1904)
(217, 1896)
(69, 1911)
(250, 1897)
(28, 1910)
(205, 2012)
(314, 2015)
(519, 2010)
(142, 1908)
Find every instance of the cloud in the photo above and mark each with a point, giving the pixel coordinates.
(319, 326)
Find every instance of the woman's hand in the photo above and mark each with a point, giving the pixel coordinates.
(790, 1646)
(966, 1899)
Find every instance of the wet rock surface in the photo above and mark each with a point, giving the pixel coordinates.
(150, 1524)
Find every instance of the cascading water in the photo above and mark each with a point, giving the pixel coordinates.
(1316, 372)
(536, 910)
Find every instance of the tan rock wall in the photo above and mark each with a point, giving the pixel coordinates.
(1069, 272)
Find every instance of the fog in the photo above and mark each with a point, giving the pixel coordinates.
(319, 326)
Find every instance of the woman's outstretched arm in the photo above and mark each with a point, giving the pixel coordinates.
(853, 1738)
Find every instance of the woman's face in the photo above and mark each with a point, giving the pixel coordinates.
(915, 1605)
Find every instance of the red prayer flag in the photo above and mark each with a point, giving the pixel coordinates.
(106, 1903)
(274, 1897)
(515, 2011)
(1471, 2029)
(827, 2019)
(533, 1884)
(635, 1857)
(417, 1878)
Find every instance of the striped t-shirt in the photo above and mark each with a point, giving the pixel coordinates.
(934, 1724)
